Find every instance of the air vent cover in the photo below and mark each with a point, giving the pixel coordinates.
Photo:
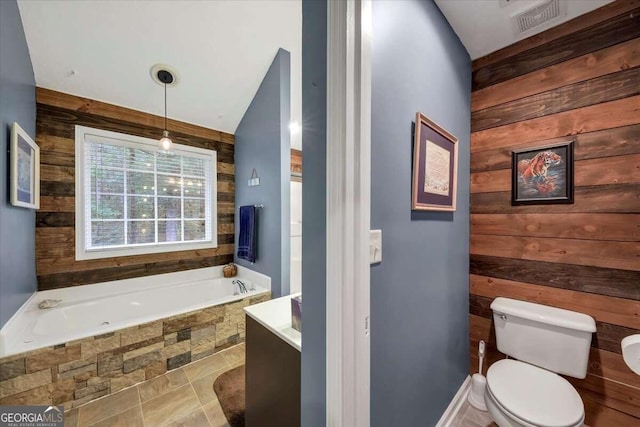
(539, 17)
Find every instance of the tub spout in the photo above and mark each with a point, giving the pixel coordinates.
(48, 303)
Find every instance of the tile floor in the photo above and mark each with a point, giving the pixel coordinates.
(183, 397)
(468, 416)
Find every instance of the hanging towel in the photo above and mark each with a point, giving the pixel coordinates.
(248, 239)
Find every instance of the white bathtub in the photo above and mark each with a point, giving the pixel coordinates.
(90, 310)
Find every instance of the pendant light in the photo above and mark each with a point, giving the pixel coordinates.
(166, 78)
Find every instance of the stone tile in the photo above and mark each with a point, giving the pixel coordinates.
(63, 391)
(90, 348)
(178, 323)
(170, 339)
(194, 419)
(176, 349)
(229, 342)
(71, 418)
(203, 351)
(24, 382)
(206, 366)
(71, 366)
(235, 355)
(127, 380)
(12, 369)
(52, 357)
(225, 330)
(203, 387)
(203, 334)
(178, 361)
(78, 367)
(94, 389)
(36, 396)
(104, 408)
(109, 362)
(170, 406)
(140, 333)
(132, 417)
(184, 334)
(162, 384)
(155, 369)
(141, 361)
(214, 413)
(475, 418)
(140, 351)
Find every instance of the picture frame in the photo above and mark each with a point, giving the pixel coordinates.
(25, 169)
(543, 174)
(435, 167)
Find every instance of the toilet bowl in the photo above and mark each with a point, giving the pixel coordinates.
(522, 395)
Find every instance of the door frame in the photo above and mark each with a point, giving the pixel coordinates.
(348, 212)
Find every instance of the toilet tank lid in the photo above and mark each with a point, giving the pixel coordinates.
(544, 314)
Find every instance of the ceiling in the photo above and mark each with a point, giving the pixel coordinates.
(484, 26)
(104, 50)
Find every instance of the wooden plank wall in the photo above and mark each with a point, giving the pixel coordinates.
(580, 79)
(57, 115)
(296, 165)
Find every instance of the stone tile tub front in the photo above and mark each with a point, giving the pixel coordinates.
(67, 360)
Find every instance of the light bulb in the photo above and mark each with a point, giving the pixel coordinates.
(294, 127)
(165, 141)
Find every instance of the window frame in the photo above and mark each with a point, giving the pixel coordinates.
(81, 175)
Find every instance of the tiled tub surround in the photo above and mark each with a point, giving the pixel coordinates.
(75, 372)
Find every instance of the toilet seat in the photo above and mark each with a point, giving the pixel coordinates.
(534, 396)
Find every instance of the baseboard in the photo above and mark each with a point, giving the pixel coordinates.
(456, 403)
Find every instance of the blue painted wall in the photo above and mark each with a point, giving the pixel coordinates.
(314, 224)
(17, 104)
(419, 293)
(262, 141)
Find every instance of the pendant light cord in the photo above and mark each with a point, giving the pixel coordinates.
(165, 106)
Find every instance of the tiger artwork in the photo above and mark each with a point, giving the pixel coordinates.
(534, 170)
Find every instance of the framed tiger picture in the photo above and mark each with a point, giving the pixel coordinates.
(542, 175)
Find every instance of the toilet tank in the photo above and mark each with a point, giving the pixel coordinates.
(552, 338)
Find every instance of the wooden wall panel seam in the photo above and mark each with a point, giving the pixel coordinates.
(577, 24)
(613, 142)
(609, 227)
(590, 172)
(607, 115)
(76, 103)
(595, 64)
(612, 310)
(613, 198)
(621, 28)
(594, 91)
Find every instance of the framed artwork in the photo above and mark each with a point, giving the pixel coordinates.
(25, 169)
(542, 175)
(435, 167)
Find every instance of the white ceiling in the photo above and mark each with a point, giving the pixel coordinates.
(484, 26)
(221, 50)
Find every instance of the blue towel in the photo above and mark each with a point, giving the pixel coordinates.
(248, 238)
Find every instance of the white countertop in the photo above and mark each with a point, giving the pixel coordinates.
(275, 315)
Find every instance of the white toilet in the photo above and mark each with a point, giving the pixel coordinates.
(544, 341)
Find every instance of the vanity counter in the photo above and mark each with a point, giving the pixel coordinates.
(275, 315)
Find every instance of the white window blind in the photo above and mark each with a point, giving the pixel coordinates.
(137, 197)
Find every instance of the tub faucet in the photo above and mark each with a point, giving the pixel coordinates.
(242, 289)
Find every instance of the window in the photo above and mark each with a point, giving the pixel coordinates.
(133, 198)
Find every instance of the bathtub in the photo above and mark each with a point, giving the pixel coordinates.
(98, 309)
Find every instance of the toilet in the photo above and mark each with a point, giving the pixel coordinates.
(542, 342)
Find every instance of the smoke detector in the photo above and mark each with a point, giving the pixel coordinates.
(540, 17)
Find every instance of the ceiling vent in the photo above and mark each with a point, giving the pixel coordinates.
(539, 17)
